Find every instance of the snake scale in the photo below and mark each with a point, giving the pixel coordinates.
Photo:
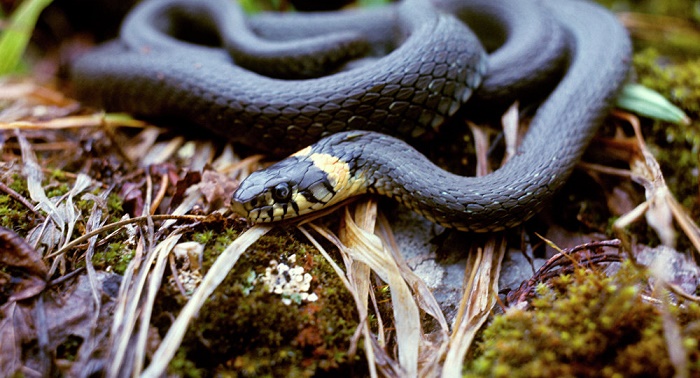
(345, 79)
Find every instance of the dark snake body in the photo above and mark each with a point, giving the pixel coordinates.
(433, 66)
(148, 73)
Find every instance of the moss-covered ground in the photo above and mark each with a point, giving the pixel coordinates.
(245, 330)
(589, 323)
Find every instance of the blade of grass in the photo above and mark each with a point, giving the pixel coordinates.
(14, 39)
(223, 264)
(646, 102)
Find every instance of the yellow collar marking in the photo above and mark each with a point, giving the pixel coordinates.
(344, 184)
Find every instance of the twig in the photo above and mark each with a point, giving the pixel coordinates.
(547, 271)
(123, 223)
(160, 195)
(65, 277)
(19, 198)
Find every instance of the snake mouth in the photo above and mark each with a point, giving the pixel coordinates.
(264, 208)
(239, 208)
(279, 202)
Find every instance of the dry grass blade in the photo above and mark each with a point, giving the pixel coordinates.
(357, 283)
(190, 201)
(160, 152)
(119, 224)
(94, 120)
(327, 234)
(69, 211)
(32, 172)
(660, 207)
(225, 164)
(62, 214)
(685, 222)
(483, 265)
(125, 312)
(671, 328)
(431, 354)
(217, 273)
(364, 246)
(121, 356)
(364, 252)
(96, 335)
(163, 250)
(359, 288)
(138, 146)
(422, 293)
(481, 290)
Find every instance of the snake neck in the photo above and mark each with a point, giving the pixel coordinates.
(381, 164)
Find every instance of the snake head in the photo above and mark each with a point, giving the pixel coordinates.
(298, 185)
(270, 194)
(314, 178)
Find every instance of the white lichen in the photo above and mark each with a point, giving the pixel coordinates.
(289, 281)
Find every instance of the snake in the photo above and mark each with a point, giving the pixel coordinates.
(349, 90)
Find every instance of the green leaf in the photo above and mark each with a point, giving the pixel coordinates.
(641, 100)
(15, 37)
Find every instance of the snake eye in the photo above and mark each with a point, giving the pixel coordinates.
(282, 192)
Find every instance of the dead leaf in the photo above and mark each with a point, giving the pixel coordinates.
(217, 189)
(182, 185)
(64, 320)
(23, 265)
(132, 195)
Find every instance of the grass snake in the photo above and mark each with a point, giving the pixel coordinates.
(346, 79)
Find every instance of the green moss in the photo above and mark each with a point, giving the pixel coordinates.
(11, 215)
(676, 147)
(184, 366)
(115, 256)
(58, 175)
(115, 204)
(18, 184)
(14, 215)
(57, 190)
(676, 8)
(203, 237)
(678, 81)
(244, 330)
(585, 324)
(221, 241)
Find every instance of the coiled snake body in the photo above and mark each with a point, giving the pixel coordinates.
(424, 64)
